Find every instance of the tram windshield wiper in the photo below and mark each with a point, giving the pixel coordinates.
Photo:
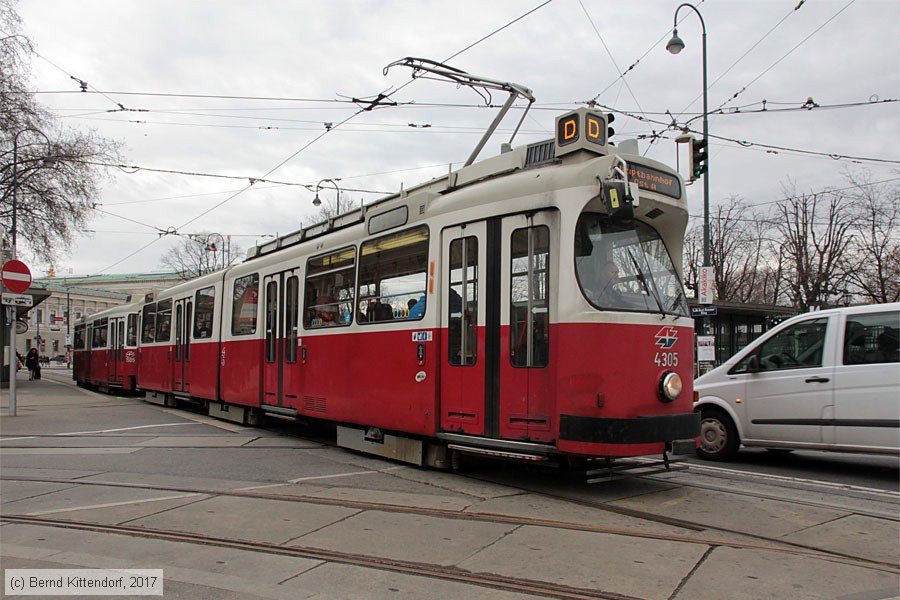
(651, 287)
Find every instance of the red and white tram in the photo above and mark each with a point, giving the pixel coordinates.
(529, 306)
(105, 348)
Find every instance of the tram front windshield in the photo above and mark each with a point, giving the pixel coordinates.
(626, 269)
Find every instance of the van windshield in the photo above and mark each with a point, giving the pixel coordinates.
(626, 269)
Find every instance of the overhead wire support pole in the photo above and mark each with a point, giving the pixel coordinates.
(420, 65)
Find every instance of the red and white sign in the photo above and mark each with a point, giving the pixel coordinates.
(16, 276)
(707, 285)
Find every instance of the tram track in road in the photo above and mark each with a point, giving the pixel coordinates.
(696, 525)
(443, 572)
(764, 543)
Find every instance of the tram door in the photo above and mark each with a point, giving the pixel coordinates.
(529, 244)
(495, 314)
(281, 373)
(464, 401)
(184, 318)
(116, 357)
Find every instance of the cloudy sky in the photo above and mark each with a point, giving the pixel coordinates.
(221, 92)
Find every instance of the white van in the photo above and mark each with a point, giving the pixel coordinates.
(826, 380)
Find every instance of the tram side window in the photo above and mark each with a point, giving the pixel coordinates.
(203, 317)
(392, 271)
(462, 338)
(164, 320)
(131, 337)
(330, 280)
(529, 317)
(99, 334)
(79, 337)
(244, 302)
(148, 324)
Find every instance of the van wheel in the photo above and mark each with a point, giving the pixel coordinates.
(718, 435)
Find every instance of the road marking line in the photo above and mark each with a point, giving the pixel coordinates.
(31, 437)
(841, 486)
(314, 477)
(110, 505)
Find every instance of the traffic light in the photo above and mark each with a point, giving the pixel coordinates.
(698, 158)
(610, 117)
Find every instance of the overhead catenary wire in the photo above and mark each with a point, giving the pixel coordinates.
(824, 191)
(746, 53)
(367, 106)
(788, 53)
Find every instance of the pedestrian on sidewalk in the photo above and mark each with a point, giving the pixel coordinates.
(33, 364)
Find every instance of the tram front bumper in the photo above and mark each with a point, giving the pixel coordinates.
(640, 430)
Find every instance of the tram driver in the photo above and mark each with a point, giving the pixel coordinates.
(606, 276)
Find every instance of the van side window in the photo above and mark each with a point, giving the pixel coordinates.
(797, 347)
(872, 338)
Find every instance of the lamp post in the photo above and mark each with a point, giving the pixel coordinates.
(317, 202)
(215, 247)
(676, 45)
(12, 232)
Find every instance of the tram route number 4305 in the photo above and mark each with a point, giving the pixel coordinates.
(666, 359)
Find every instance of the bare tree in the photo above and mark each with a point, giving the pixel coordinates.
(201, 253)
(742, 253)
(874, 267)
(816, 232)
(57, 171)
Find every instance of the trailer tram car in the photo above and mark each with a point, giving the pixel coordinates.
(527, 306)
(105, 349)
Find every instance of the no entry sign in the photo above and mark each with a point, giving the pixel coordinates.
(16, 276)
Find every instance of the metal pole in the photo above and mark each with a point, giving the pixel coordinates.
(68, 331)
(13, 358)
(12, 310)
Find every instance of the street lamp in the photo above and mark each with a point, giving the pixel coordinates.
(12, 309)
(676, 45)
(317, 202)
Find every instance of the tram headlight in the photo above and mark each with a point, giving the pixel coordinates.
(670, 386)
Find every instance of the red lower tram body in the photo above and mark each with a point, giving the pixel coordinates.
(598, 396)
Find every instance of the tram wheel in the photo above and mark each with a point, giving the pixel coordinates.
(718, 435)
